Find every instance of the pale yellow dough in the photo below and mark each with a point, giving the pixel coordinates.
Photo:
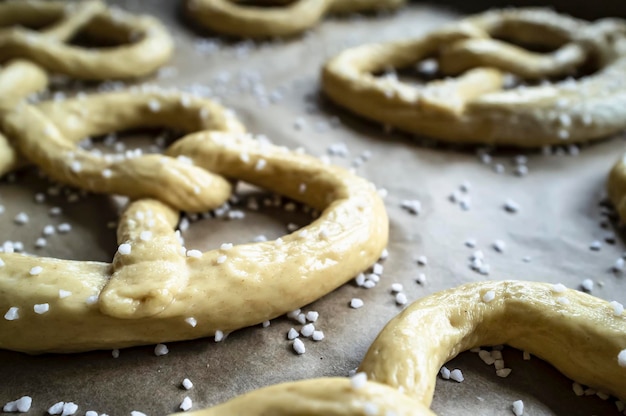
(146, 296)
(616, 187)
(319, 396)
(48, 132)
(281, 18)
(144, 44)
(577, 333)
(475, 107)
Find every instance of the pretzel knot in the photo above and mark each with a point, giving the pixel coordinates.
(582, 336)
(141, 43)
(268, 18)
(479, 106)
(156, 291)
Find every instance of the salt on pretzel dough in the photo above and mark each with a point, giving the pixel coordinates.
(577, 333)
(146, 296)
(319, 396)
(567, 111)
(48, 132)
(144, 44)
(294, 17)
(616, 187)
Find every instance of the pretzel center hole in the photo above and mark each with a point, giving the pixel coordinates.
(102, 33)
(251, 215)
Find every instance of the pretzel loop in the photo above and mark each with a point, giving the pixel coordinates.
(280, 19)
(585, 109)
(48, 132)
(579, 334)
(145, 46)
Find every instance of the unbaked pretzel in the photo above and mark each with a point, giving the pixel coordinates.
(278, 18)
(475, 107)
(581, 335)
(47, 134)
(144, 46)
(155, 291)
(616, 187)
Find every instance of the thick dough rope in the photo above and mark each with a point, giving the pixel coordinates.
(155, 291)
(48, 133)
(616, 187)
(280, 18)
(476, 107)
(581, 335)
(144, 44)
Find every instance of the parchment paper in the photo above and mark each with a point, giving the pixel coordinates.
(273, 87)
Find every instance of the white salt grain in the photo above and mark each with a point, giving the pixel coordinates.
(115, 353)
(160, 349)
(356, 303)
(317, 336)
(187, 384)
(518, 408)
(292, 334)
(41, 308)
(422, 260)
(489, 296)
(456, 375)
(578, 389)
(124, 249)
(401, 298)
(618, 308)
(445, 373)
(186, 404)
(191, 321)
(587, 285)
(312, 316)
(559, 288)
(196, 254)
(358, 380)
(64, 228)
(21, 218)
(621, 358)
(396, 287)
(298, 346)
(64, 293)
(307, 330)
(56, 408)
(36, 270)
(69, 409)
(595, 246)
(486, 357)
(12, 314)
(503, 372)
(219, 336)
(499, 246)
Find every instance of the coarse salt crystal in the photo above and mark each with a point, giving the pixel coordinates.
(196, 254)
(219, 336)
(21, 218)
(578, 389)
(559, 288)
(161, 349)
(421, 278)
(312, 316)
(503, 372)
(618, 308)
(397, 287)
(36, 270)
(41, 308)
(292, 334)
(486, 357)
(563, 300)
(621, 358)
(191, 321)
(124, 249)
(64, 293)
(456, 375)
(187, 384)
(221, 259)
(377, 269)
(445, 373)
(317, 336)
(64, 228)
(422, 260)
(115, 353)
(307, 330)
(518, 408)
(499, 246)
(358, 380)
(401, 298)
(587, 285)
(186, 404)
(56, 408)
(489, 296)
(69, 408)
(12, 314)
(356, 303)
(298, 346)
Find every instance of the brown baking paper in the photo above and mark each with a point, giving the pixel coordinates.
(274, 89)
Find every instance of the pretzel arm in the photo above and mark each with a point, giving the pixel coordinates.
(577, 333)
(319, 396)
